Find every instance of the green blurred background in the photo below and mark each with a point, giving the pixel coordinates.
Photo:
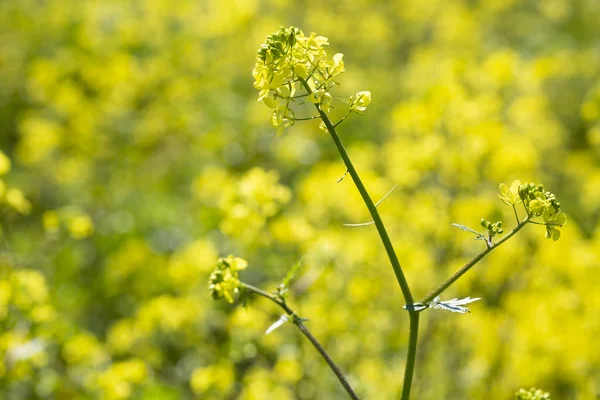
(134, 154)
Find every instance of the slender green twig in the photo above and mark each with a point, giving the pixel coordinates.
(376, 204)
(389, 248)
(341, 120)
(544, 223)
(472, 262)
(525, 207)
(516, 215)
(307, 118)
(298, 322)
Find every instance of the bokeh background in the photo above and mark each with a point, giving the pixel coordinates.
(134, 154)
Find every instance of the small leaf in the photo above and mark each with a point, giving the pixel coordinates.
(467, 229)
(301, 70)
(362, 224)
(292, 273)
(386, 195)
(376, 204)
(453, 305)
(343, 176)
(282, 320)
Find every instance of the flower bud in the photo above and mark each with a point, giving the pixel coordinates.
(523, 191)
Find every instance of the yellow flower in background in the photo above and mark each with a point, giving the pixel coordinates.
(4, 164)
(51, 221)
(84, 349)
(16, 199)
(29, 288)
(13, 197)
(217, 378)
(80, 226)
(118, 381)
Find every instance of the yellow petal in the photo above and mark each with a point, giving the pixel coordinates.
(239, 264)
(503, 189)
(301, 70)
(514, 187)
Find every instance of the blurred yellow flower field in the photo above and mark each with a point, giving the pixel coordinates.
(134, 154)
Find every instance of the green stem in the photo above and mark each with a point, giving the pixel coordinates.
(472, 262)
(516, 214)
(298, 322)
(411, 354)
(414, 319)
(367, 200)
(341, 120)
(307, 118)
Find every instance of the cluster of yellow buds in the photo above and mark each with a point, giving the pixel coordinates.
(223, 281)
(538, 202)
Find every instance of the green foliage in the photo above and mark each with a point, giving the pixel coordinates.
(284, 287)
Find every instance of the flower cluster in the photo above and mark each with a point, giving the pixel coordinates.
(540, 202)
(223, 281)
(288, 60)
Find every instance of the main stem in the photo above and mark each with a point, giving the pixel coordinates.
(473, 261)
(389, 248)
(298, 322)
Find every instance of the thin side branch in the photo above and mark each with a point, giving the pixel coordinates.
(472, 262)
(298, 322)
(342, 178)
(376, 204)
(516, 215)
(307, 118)
(342, 120)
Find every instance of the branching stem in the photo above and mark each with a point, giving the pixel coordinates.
(389, 248)
(472, 262)
(298, 322)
